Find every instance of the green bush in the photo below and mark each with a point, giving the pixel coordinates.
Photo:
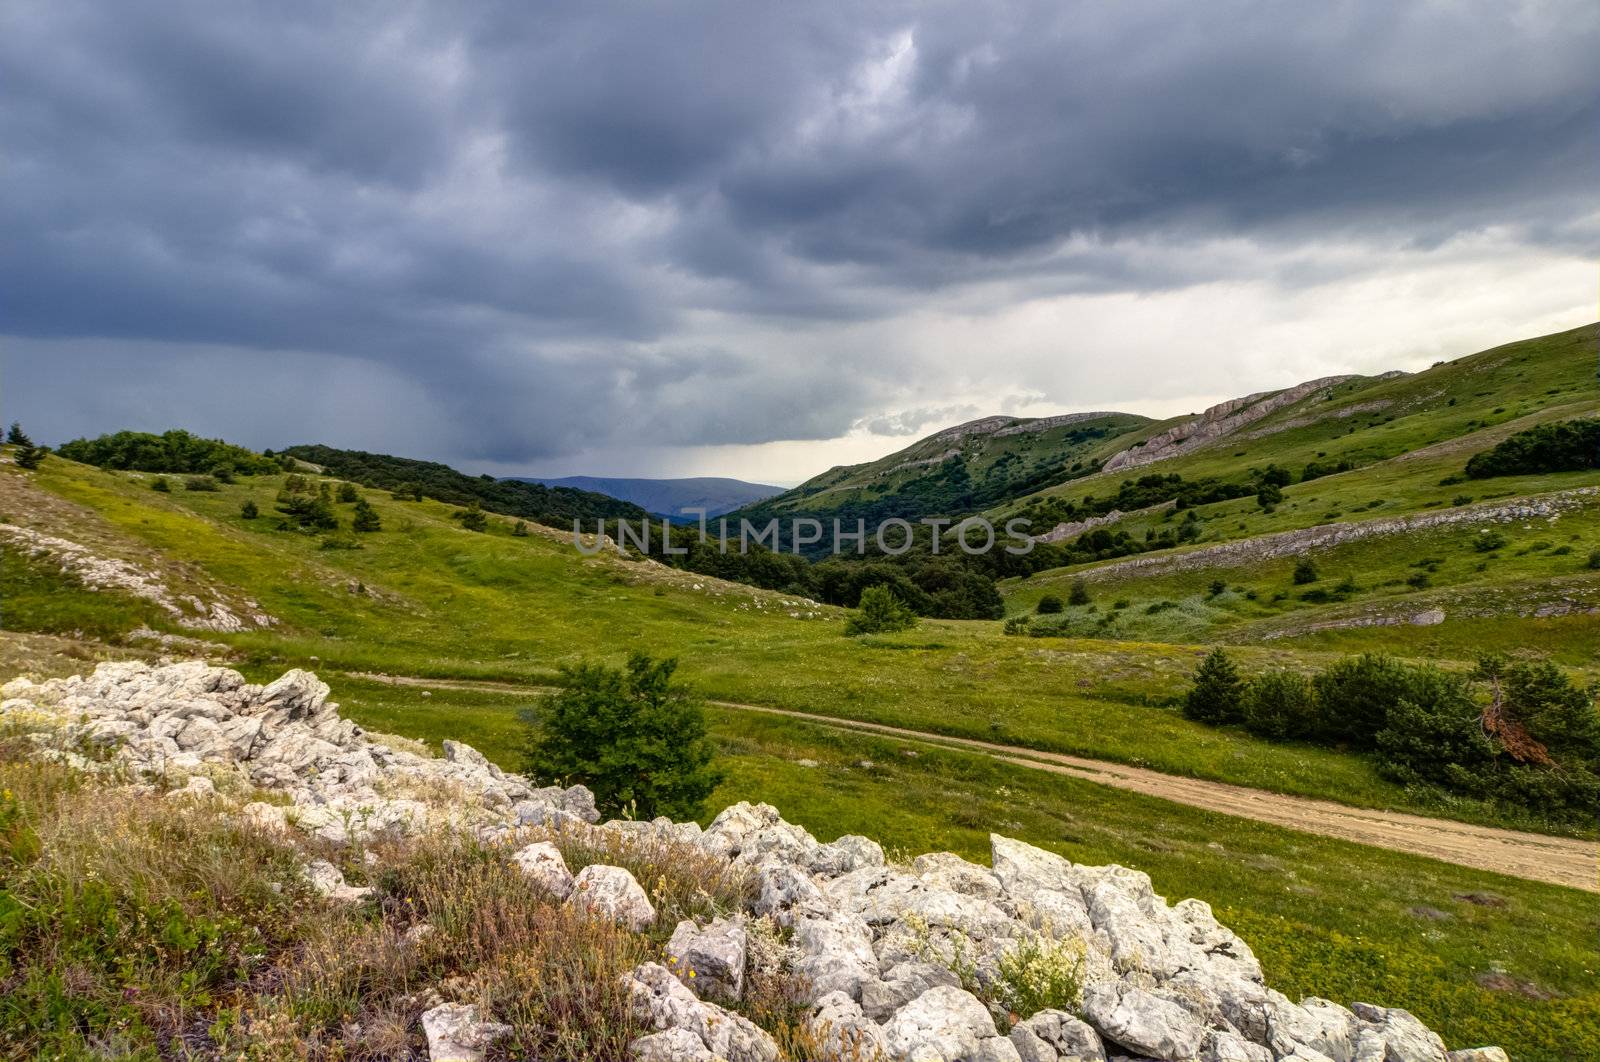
(471, 518)
(160, 485)
(365, 517)
(1217, 695)
(1354, 696)
(1594, 560)
(880, 612)
(1569, 446)
(200, 483)
(1305, 571)
(519, 529)
(348, 493)
(1079, 593)
(1049, 604)
(1489, 541)
(1280, 704)
(249, 510)
(635, 738)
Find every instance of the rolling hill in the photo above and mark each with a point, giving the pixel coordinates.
(431, 630)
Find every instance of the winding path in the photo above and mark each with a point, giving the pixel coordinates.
(1536, 857)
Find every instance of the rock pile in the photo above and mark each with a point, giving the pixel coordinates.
(938, 960)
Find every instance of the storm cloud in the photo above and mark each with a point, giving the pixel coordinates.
(531, 237)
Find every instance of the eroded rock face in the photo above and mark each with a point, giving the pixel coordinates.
(902, 960)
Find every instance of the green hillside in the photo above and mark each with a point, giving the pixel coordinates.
(96, 564)
(960, 470)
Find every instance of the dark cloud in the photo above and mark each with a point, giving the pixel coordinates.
(537, 229)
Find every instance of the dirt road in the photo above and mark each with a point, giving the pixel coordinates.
(1557, 860)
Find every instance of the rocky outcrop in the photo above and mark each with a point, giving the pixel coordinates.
(184, 720)
(1220, 420)
(1326, 536)
(903, 961)
(208, 613)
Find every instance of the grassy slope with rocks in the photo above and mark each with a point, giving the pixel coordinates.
(424, 597)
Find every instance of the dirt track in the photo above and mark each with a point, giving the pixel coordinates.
(1536, 857)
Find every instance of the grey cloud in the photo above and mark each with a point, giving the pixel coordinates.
(537, 228)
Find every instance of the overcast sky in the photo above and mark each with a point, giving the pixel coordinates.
(759, 239)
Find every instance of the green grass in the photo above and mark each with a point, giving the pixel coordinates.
(1544, 562)
(426, 598)
(1326, 917)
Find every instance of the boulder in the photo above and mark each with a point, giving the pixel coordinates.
(944, 1024)
(710, 961)
(661, 1003)
(542, 863)
(455, 1034)
(1143, 1022)
(1056, 1036)
(842, 1033)
(329, 881)
(612, 893)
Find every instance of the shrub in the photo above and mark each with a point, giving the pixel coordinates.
(519, 529)
(1217, 694)
(1434, 734)
(1038, 973)
(1354, 696)
(1569, 446)
(1048, 604)
(249, 510)
(1269, 495)
(223, 472)
(365, 518)
(1305, 571)
(1017, 625)
(630, 734)
(880, 612)
(30, 457)
(1419, 580)
(16, 436)
(1594, 560)
(304, 509)
(1280, 704)
(1079, 593)
(340, 540)
(471, 518)
(160, 485)
(200, 483)
(1489, 541)
(1217, 588)
(347, 493)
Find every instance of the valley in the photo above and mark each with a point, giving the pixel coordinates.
(1062, 727)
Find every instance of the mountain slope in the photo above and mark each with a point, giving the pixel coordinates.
(668, 497)
(554, 506)
(961, 469)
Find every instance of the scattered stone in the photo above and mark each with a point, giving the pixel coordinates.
(456, 1035)
(329, 881)
(1056, 1036)
(662, 1003)
(1143, 1022)
(611, 892)
(542, 863)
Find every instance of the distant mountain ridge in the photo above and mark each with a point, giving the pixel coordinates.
(669, 497)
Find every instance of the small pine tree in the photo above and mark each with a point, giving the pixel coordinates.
(161, 485)
(348, 493)
(365, 518)
(1217, 695)
(471, 518)
(879, 612)
(1269, 495)
(1594, 560)
(30, 456)
(16, 436)
(520, 529)
(1218, 588)
(1049, 604)
(1305, 572)
(249, 510)
(635, 738)
(1280, 704)
(1079, 594)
